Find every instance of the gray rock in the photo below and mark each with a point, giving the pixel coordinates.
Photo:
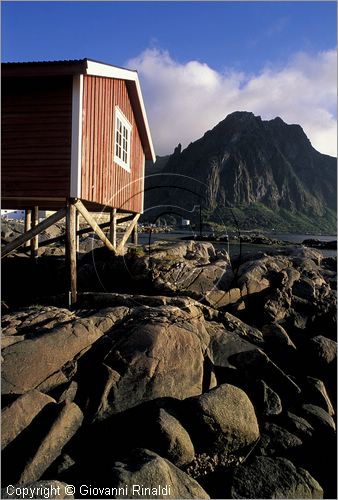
(17, 416)
(319, 418)
(255, 364)
(106, 380)
(62, 430)
(224, 343)
(47, 353)
(276, 335)
(186, 267)
(173, 441)
(268, 477)
(247, 332)
(161, 478)
(314, 392)
(298, 425)
(37, 489)
(10, 339)
(322, 350)
(69, 393)
(305, 288)
(254, 276)
(55, 380)
(157, 352)
(219, 298)
(279, 442)
(299, 255)
(271, 402)
(222, 420)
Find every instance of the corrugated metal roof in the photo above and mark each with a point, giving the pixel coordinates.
(58, 63)
(65, 61)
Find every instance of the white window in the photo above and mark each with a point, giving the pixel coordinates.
(122, 140)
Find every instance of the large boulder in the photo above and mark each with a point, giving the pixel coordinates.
(222, 420)
(52, 343)
(277, 477)
(47, 353)
(257, 275)
(144, 474)
(188, 267)
(157, 352)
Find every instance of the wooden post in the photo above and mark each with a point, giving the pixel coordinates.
(134, 235)
(77, 216)
(35, 239)
(71, 250)
(28, 224)
(113, 227)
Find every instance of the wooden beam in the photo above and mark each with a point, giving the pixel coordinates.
(112, 227)
(128, 233)
(92, 222)
(28, 224)
(71, 255)
(78, 233)
(84, 231)
(35, 239)
(20, 240)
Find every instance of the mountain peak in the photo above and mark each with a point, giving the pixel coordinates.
(247, 162)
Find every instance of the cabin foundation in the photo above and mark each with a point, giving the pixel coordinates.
(71, 213)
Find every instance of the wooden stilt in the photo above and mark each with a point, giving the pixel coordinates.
(28, 224)
(92, 222)
(134, 235)
(127, 233)
(20, 240)
(77, 216)
(35, 239)
(71, 255)
(113, 227)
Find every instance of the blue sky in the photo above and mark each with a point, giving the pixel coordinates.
(221, 55)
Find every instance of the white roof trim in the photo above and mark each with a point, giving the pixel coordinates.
(100, 69)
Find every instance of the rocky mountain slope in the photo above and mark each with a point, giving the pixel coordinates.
(267, 171)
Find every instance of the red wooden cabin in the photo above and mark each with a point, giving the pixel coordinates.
(73, 129)
(75, 137)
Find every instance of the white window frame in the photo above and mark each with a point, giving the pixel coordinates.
(126, 126)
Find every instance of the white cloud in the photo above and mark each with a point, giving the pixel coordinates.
(185, 100)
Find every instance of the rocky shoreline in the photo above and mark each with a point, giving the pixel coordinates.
(177, 368)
